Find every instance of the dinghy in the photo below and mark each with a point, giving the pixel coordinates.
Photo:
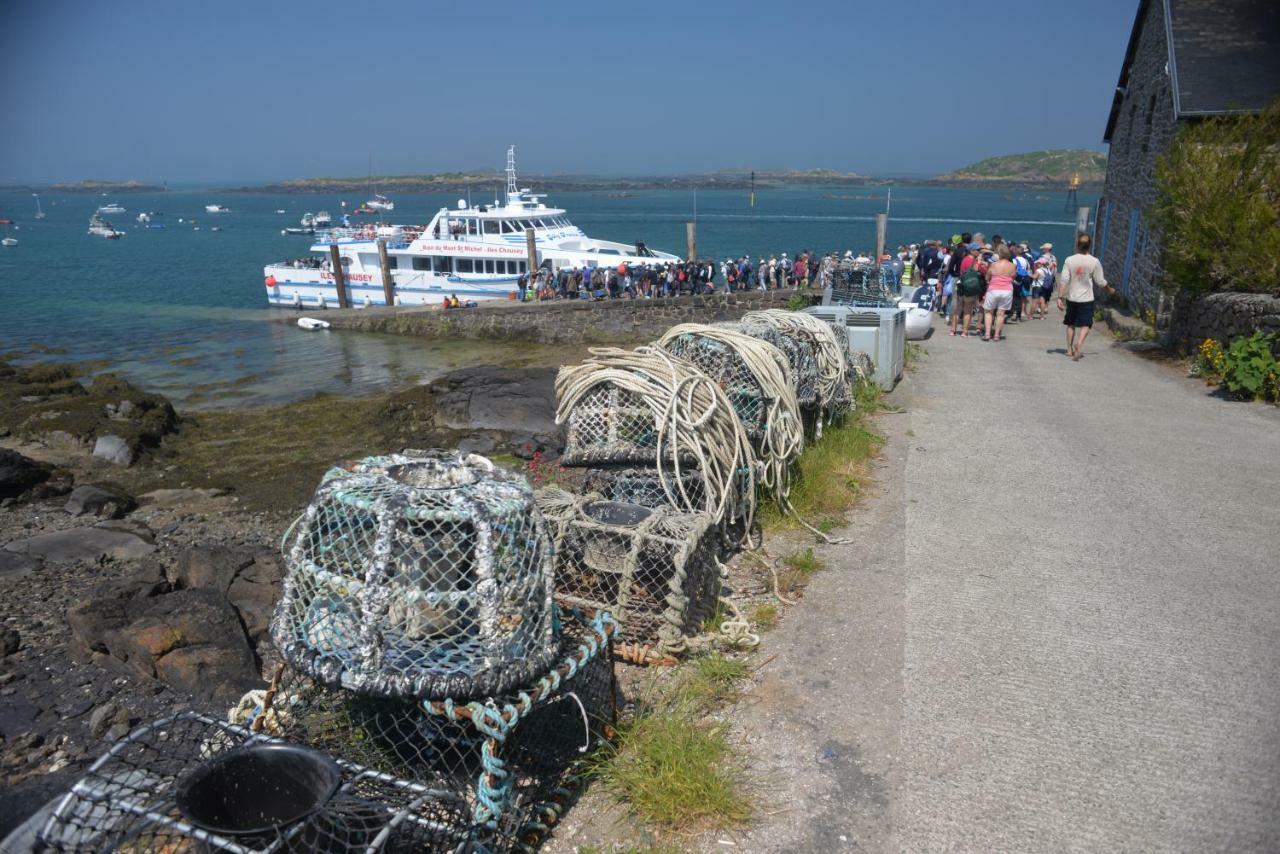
(312, 323)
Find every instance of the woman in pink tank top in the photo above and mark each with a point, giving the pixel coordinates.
(999, 298)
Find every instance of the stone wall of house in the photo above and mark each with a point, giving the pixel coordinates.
(1143, 130)
(1223, 316)
(620, 321)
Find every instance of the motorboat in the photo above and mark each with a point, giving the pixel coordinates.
(7, 240)
(143, 218)
(279, 210)
(298, 231)
(111, 208)
(100, 227)
(322, 220)
(308, 220)
(217, 209)
(380, 203)
(475, 252)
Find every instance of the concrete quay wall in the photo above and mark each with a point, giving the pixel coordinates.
(619, 321)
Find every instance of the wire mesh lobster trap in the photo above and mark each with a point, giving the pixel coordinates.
(191, 783)
(515, 759)
(422, 574)
(799, 350)
(830, 348)
(754, 375)
(863, 284)
(644, 486)
(648, 408)
(653, 568)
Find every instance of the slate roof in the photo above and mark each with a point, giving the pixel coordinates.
(1224, 56)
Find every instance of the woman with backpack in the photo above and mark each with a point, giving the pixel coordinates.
(967, 290)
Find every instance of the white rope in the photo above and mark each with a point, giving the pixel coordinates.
(829, 349)
(692, 417)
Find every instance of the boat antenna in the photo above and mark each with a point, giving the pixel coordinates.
(888, 200)
(511, 172)
(753, 189)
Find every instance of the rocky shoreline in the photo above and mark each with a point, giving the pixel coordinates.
(139, 546)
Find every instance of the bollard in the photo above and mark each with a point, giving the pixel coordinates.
(388, 283)
(339, 275)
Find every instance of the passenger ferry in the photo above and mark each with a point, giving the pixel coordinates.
(472, 252)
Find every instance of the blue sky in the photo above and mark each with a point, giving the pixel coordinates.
(227, 91)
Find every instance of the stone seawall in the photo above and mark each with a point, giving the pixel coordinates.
(1223, 316)
(620, 321)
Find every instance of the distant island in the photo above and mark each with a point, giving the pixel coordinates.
(478, 181)
(105, 187)
(1036, 168)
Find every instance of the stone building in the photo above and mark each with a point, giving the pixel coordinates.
(1186, 60)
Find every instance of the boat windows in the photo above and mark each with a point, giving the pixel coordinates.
(473, 226)
(421, 263)
(507, 227)
(465, 265)
(491, 226)
(488, 266)
(442, 263)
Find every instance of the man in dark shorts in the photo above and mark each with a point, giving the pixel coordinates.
(1080, 274)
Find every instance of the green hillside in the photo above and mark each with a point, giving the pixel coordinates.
(1035, 167)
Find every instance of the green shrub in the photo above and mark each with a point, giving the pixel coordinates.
(1218, 204)
(1249, 368)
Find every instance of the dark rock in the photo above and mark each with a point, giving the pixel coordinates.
(19, 474)
(251, 582)
(117, 732)
(107, 716)
(10, 640)
(212, 567)
(16, 716)
(105, 500)
(78, 544)
(76, 709)
(114, 449)
(130, 526)
(190, 639)
(13, 565)
(94, 619)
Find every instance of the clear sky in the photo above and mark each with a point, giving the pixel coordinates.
(231, 90)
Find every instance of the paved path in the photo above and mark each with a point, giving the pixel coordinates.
(1058, 630)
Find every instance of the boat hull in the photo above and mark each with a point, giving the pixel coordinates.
(309, 288)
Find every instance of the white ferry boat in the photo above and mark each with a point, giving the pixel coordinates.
(217, 209)
(111, 208)
(474, 252)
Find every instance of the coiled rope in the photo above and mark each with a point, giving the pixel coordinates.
(693, 419)
(829, 350)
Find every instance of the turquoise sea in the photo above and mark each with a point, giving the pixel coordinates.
(182, 311)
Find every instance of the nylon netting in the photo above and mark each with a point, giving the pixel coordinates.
(653, 568)
(422, 574)
(644, 486)
(192, 783)
(514, 759)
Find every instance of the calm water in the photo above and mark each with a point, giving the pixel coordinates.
(182, 311)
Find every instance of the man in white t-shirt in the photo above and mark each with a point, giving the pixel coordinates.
(1079, 275)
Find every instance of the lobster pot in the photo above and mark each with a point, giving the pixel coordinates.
(513, 759)
(653, 568)
(865, 284)
(801, 357)
(422, 574)
(723, 364)
(643, 486)
(610, 425)
(192, 783)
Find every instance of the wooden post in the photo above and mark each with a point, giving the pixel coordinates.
(531, 247)
(1082, 220)
(691, 240)
(339, 275)
(882, 230)
(388, 283)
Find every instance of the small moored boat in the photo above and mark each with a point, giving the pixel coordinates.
(312, 323)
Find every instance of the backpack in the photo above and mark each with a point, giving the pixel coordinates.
(971, 283)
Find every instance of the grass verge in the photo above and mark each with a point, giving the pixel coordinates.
(676, 772)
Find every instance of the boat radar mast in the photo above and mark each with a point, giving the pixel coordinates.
(512, 190)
